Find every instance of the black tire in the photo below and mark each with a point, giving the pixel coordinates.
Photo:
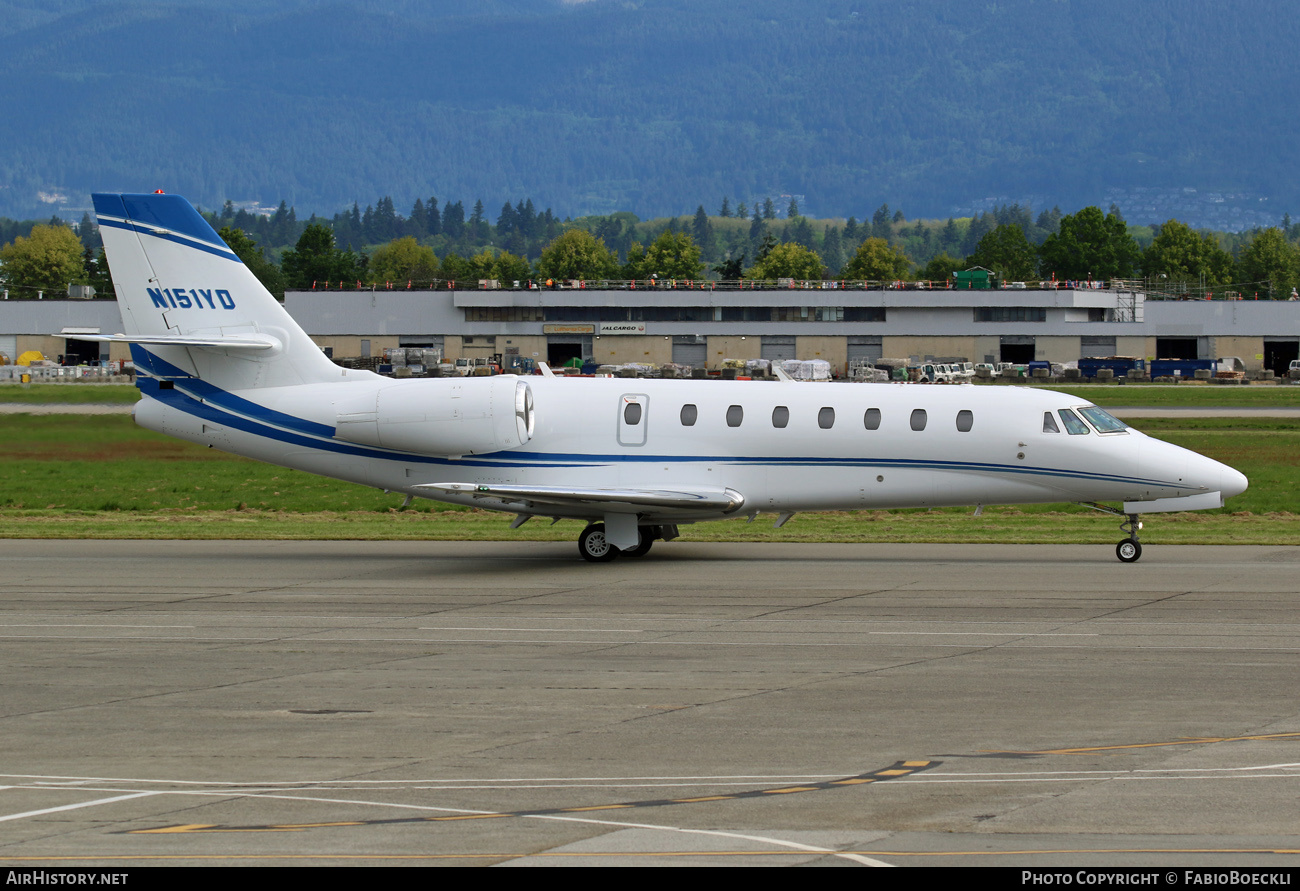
(594, 547)
(1128, 551)
(648, 536)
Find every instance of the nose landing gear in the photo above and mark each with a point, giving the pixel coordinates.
(1130, 549)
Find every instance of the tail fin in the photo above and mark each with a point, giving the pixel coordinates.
(190, 307)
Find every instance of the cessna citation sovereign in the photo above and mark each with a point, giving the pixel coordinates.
(221, 363)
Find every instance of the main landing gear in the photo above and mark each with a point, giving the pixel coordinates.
(595, 548)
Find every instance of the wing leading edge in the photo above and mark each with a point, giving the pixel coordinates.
(539, 499)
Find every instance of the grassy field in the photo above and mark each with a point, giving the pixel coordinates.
(69, 476)
(78, 393)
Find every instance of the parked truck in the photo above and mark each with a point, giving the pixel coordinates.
(1122, 366)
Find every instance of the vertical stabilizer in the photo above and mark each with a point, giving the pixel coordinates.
(176, 278)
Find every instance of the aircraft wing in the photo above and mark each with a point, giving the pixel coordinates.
(705, 499)
(217, 342)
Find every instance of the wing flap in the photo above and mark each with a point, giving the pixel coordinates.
(704, 499)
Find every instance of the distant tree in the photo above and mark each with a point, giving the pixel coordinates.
(741, 211)
(99, 276)
(1088, 244)
(939, 269)
(725, 210)
(731, 269)
(1182, 257)
(702, 229)
(509, 268)
(1007, 252)
(507, 220)
(881, 227)
(671, 255)
(315, 258)
(787, 261)
(832, 249)
(402, 260)
(433, 215)
(1049, 221)
(453, 220)
(793, 210)
(88, 232)
(417, 224)
(1270, 263)
(478, 227)
(851, 233)
(270, 275)
(49, 259)
(577, 254)
(876, 260)
(757, 226)
(769, 209)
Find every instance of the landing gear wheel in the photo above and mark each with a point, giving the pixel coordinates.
(594, 547)
(648, 536)
(1128, 550)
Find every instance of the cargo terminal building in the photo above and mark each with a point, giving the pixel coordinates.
(702, 327)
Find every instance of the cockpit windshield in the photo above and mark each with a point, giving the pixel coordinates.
(1103, 420)
(1073, 425)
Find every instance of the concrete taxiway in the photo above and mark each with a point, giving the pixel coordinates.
(505, 703)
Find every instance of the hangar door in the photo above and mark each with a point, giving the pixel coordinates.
(690, 349)
(868, 348)
(1094, 347)
(1279, 353)
(778, 348)
(1018, 348)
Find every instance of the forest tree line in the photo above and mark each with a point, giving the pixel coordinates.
(440, 244)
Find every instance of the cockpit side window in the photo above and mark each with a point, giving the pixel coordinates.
(1049, 423)
(1073, 425)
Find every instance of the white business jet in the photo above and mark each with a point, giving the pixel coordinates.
(221, 363)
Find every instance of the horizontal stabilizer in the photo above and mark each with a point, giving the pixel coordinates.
(218, 342)
(701, 498)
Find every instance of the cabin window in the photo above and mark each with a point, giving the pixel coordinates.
(918, 419)
(1049, 423)
(965, 421)
(736, 414)
(826, 418)
(1073, 425)
(1103, 420)
(780, 416)
(871, 420)
(632, 414)
(689, 415)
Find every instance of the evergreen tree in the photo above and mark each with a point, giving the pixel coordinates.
(434, 216)
(702, 230)
(725, 210)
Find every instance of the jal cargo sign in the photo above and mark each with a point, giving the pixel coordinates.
(622, 328)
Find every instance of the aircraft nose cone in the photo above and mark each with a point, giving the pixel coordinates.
(1232, 482)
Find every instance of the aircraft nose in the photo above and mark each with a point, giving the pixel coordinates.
(1232, 482)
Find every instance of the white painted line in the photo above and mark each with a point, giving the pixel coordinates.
(73, 807)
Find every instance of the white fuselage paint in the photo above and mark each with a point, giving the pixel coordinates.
(581, 440)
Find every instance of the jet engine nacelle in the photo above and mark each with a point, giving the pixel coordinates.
(443, 417)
